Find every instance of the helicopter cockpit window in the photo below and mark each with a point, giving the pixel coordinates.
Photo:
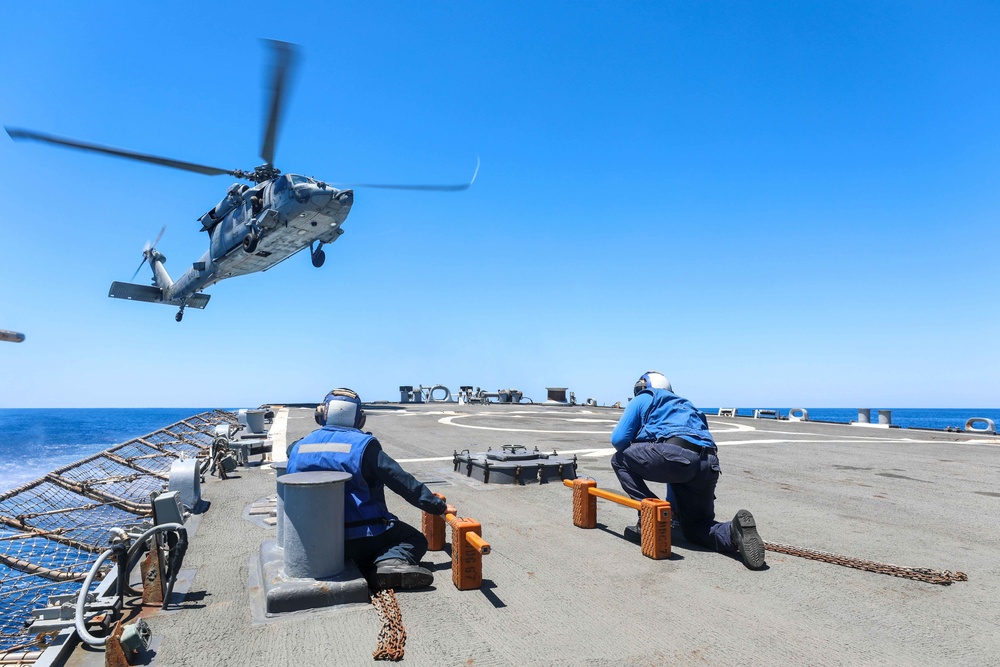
(280, 185)
(296, 179)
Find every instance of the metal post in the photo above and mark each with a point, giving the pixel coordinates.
(280, 468)
(885, 417)
(864, 415)
(313, 534)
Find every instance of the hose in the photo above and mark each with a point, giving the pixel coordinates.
(81, 601)
(119, 549)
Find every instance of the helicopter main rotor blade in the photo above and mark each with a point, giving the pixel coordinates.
(17, 133)
(437, 188)
(284, 58)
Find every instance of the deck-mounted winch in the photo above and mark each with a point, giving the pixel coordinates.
(514, 464)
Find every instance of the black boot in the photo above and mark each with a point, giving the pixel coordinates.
(634, 533)
(743, 533)
(401, 575)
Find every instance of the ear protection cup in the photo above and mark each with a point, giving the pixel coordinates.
(320, 414)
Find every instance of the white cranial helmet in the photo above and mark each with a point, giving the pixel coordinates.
(341, 407)
(652, 380)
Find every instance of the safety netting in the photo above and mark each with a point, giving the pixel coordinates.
(53, 529)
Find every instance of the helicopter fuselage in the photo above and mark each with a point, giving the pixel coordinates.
(290, 214)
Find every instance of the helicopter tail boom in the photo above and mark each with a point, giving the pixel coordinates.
(150, 294)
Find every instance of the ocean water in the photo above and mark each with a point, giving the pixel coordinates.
(937, 418)
(35, 441)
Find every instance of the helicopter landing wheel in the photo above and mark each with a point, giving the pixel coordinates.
(250, 242)
(318, 258)
(180, 315)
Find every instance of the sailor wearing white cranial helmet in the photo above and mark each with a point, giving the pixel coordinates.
(662, 437)
(385, 548)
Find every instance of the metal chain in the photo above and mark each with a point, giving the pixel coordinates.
(392, 636)
(925, 574)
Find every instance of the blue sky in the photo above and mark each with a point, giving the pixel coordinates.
(772, 203)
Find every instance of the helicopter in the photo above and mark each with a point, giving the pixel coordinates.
(256, 225)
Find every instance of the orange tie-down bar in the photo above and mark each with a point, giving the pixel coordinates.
(467, 546)
(654, 515)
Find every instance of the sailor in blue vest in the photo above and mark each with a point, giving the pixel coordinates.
(381, 545)
(662, 437)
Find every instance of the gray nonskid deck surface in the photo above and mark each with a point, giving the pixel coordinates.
(556, 594)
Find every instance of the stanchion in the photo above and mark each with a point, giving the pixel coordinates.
(654, 520)
(467, 546)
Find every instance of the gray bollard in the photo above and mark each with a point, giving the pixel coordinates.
(255, 421)
(885, 417)
(280, 468)
(313, 532)
(864, 415)
(185, 478)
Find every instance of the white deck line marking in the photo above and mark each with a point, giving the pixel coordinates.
(609, 451)
(450, 421)
(279, 426)
(430, 458)
(900, 437)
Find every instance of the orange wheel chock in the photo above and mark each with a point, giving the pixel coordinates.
(432, 526)
(584, 504)
(654, 519)
(655, 522)
(466, 556)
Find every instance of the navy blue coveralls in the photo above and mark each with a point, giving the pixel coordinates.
(662, 437)
(371, 532)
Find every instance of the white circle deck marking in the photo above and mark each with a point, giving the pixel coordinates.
(449, 421)
(732, 427)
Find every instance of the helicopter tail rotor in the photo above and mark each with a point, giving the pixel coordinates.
(147, 251)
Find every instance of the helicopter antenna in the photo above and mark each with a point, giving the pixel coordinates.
(281, 70)
(438, 188)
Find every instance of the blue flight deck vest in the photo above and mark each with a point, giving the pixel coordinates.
(669, 416)
(341, 449)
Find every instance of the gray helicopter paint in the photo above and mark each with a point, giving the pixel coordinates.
(288, 223)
